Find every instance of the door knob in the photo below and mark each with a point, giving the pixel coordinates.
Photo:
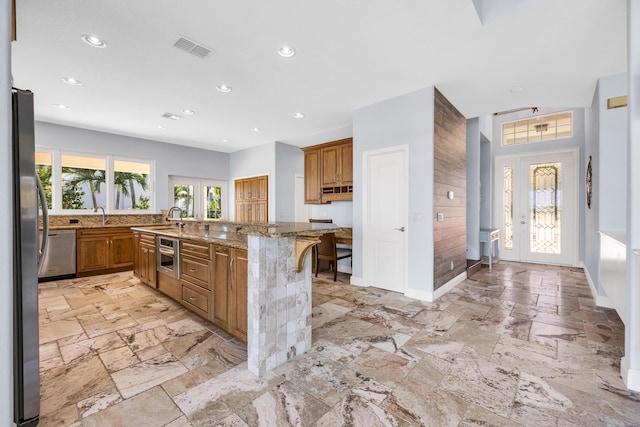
(399, 229)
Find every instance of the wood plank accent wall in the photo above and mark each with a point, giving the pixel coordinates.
(14, 32)
(450, 174)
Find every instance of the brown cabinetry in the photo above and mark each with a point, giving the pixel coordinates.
(195, 276)
(328, 171)
(252, 200)
(212, 284)
(104, 250)
(230, 291)
(144, 257)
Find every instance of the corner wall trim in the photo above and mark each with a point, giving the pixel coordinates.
(430, 296)
(601, 300)
(630, 376)
(357, 281)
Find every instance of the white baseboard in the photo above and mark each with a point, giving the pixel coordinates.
(429, 296)
(630, 376)
(601, 300)
(357, 281)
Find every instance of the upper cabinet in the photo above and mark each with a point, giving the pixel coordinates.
(252, 199)
(328, 171)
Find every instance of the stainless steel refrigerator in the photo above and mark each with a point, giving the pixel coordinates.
(27, 255)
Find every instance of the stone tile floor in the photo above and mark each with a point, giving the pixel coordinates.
(521, 345)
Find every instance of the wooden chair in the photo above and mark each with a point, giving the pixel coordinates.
(314, 262)
(326, 250)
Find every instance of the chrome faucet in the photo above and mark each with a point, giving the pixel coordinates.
(105, 218)
(170, 215)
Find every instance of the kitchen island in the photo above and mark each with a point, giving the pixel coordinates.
(278, 281)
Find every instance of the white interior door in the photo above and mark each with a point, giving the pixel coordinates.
(536, 208)
(385, 218)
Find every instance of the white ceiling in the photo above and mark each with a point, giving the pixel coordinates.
(350, 53)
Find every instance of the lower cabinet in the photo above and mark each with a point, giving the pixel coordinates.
(229, 308)
(238, 293)
(144, 258)
(104, 250)
(212, 283)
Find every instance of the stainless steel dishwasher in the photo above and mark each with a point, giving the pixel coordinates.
(60, 258)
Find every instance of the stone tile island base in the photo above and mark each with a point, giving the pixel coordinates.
(279, 303)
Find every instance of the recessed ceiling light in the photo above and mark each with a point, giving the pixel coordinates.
(515, 89)
(286, 51)
(61, 106)
(225, 141)
(298, 115)
(71, 81)
(188, 112)
(256, 130)
(224, 88)
(94, 41)
(161, 127)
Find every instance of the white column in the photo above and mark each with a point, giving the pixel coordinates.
(630, 366)
(279, 303)
(6, 227)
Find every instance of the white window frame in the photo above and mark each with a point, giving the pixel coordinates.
(56, 182)
(199, 199)
(535, 117)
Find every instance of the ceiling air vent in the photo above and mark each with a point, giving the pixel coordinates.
(193, 48)
(171, 116)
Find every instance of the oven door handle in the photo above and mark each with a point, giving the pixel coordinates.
(164, 251)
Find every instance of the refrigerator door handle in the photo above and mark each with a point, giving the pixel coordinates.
(45, 224)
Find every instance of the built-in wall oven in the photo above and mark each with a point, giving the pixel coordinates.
(168, 254)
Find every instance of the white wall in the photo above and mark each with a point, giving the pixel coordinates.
(289, 163)
(6, 226)
(473, 188)
(404, 120)
(592, 216)
(612, 171)
(170, 159)
(256, 161)
(630, 365)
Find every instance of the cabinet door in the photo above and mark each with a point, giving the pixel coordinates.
(346, 164)
(312, 189)
(239, 187)
(142, 255)
(330, 172)
(220, 307)
(93, 253)
(263, 187)
(261, 212)
(136, 255)
(238, 294)
(151, 266)
(121, 250)
(240, 216)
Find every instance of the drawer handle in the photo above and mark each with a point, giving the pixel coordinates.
(193, 270)
(192, 298)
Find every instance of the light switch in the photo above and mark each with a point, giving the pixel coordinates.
(440, 217)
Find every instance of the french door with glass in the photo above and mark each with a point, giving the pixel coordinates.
(536, 207)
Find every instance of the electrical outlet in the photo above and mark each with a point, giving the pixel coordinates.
(451, 265)
(440, 217)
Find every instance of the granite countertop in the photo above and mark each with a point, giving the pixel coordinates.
(94, 226)
(235, 234)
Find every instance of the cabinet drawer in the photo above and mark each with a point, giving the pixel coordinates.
(195, 248)
(196, 270)
(149, 239)
(198, 299)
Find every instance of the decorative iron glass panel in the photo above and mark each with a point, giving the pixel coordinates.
(508, 208)
(545, 211)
